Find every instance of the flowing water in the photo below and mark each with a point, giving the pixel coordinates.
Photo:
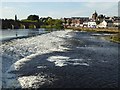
(17, 33)
(90, 62)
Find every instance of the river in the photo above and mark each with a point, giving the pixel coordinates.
(88, 61)
(6, 34)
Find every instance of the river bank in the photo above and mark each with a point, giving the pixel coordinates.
(113, 38)
(94, 29)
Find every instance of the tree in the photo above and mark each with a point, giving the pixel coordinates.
(32, 26)
(97, 22)
(58, 24)
(50, 21)
(33, 17)
(46, 21)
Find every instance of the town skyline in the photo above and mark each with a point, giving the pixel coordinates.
(57, 9)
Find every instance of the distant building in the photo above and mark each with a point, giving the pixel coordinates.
(75, 22)
(96, 20)
(92, 24)
(95, 16)
(66, 22)
(78, 21)
(116, 23)
(105, 24)
(116, 18)
(85, 24)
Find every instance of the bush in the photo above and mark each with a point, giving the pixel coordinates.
(31, 26)
(25, 20)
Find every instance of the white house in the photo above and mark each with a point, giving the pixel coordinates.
(117, 23)
(92, 24)
(105, 24)
(77, 25)
(85, 24)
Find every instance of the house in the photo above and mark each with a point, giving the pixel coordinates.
(105, 24)
(66, 21)
(92, 24)
(75, 22)
(85, 24)
(116, 23)
(81, 18)
(78, 21)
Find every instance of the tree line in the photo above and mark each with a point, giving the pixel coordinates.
(43, 22)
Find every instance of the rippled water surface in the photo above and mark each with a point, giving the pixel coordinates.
(9, 34)
(89, 62)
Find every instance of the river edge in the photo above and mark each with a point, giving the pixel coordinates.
(113, 38)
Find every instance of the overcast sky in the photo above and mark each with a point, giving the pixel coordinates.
(57, 9)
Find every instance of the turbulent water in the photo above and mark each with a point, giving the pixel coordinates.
(60, 59)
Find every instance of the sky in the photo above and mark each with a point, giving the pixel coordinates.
(57, 9)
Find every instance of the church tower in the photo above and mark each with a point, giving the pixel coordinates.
(95, 16)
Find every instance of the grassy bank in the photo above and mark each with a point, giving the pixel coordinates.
(58, 27)
(113, 38)
(94, 29)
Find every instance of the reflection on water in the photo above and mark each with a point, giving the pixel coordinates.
(9, 34)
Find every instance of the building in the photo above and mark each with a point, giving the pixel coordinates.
(75, 22)
(95, 16)
(105, 24)
(96, 21)
(66, 21)
(116, 23)
(85, 24)
(92, 24)
(78, 21)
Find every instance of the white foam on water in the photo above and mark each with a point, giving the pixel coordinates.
(58, 60)
(63, 61)
(23, 50)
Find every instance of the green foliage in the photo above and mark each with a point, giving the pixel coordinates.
(31, 26)
(53, 23)
(33, 17)
(43, 26)
(97, 22)
(115, 38)
(25, 20)
(21, 26)
(50, 22)
(46, 21)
